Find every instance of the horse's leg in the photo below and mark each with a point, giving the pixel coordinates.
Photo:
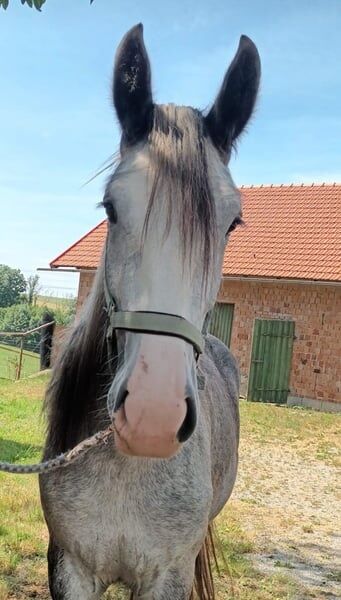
(175, 585)
(69, 579)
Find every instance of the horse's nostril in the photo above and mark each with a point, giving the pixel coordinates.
(121, 397)
(190, 421)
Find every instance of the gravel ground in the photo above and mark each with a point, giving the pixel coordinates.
(290, 505)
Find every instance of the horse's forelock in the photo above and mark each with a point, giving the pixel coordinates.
(177, 145)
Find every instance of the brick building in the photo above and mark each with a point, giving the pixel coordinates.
(279, 305)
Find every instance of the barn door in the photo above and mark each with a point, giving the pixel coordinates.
(221, 322)
(271, 360)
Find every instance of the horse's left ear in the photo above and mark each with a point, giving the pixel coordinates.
(236, 99)
(132, 92)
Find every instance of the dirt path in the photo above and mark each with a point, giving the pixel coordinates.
(290, 505)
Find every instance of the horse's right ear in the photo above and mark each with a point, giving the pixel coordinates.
(132, 92)
(237, 97)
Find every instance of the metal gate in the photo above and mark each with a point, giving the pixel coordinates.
(221, 322)
(271, 360)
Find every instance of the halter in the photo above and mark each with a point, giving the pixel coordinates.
(142, 321)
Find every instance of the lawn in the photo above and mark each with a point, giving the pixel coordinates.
(9, 360)
(276, 444)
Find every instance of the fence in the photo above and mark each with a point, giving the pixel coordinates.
(20, 352)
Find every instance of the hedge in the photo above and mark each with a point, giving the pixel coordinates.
(23, 317)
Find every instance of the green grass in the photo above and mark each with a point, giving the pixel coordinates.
(22, 529)
(9, 360)
(309, 432)
(23, 535)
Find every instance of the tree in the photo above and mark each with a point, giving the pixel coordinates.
(31, 3)
(32, 289)
(12, 285)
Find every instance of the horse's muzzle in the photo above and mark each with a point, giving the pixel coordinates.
(155, 405)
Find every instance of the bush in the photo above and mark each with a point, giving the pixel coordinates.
(23, 317)
(66, 314)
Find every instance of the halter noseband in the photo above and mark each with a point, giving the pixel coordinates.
(150, 322)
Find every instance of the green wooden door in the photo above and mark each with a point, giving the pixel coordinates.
(221, 322)
(271, 360)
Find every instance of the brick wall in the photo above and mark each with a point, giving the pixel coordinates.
(86, 279)
(57, 342)
(316, 310)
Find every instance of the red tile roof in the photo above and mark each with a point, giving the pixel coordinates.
(86, 252)
(291, 232)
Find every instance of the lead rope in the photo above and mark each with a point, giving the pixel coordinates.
(63, 460)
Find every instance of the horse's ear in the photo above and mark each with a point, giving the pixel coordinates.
(236, 100)
(132, 90)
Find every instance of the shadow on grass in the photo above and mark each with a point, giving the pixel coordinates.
(11, 451)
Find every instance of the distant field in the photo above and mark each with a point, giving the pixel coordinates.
(54, 302)
(9, 360)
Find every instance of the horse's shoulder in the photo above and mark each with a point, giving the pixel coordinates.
(224, 362)
(221, 355)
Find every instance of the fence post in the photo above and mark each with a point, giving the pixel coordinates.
(20, 356)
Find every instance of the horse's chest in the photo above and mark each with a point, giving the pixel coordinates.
(121, 523)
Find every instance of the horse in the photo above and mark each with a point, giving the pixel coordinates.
(45, 345)
(139, 509)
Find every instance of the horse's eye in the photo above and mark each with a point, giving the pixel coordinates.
(237, 221)
(110, 210)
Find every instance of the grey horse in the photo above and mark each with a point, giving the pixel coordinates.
(139, 509)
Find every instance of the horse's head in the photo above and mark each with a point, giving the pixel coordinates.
(171, 204)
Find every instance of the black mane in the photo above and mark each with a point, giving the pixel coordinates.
(80, 379)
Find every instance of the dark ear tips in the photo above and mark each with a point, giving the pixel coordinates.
(248, 46)
(132, 93)
(136, 31)
(236, 100)
(245, 40)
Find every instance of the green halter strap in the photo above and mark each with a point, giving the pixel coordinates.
(151, 322)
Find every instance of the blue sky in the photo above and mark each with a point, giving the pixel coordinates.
(57, 124)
